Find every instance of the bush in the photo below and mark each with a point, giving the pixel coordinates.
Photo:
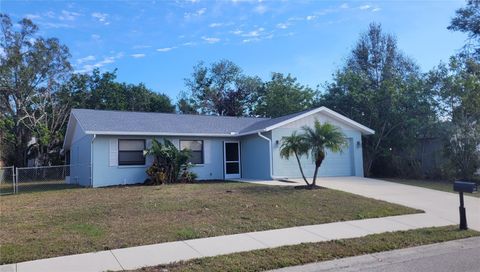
(170, 164)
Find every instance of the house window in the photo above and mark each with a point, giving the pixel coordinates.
(196, 149)
(130, 152)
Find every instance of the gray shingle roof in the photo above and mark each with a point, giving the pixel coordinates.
(103, 121)
(267, 122)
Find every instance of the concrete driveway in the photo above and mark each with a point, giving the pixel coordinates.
(435, 203)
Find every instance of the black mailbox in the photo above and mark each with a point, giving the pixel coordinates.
(465, 187)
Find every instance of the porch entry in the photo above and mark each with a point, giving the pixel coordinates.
(231, 158)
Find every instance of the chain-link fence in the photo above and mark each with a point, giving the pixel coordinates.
(7, 180)
(44, 178)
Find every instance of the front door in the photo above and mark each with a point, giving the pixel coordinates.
(232, 159)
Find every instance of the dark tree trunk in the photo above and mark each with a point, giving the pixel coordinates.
(318, 163)
(301, 169)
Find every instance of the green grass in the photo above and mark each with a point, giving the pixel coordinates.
(54, 223)
(274, 258)
(445, 186)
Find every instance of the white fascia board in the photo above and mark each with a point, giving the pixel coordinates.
(146, 133)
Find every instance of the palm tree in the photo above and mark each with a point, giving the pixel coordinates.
(294, 145)
(314, 141)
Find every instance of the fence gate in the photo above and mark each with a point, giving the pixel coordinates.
(7, 180)
(43, 178)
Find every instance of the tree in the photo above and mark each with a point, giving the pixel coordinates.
(467, 20)
(102, 91)
(32, 69)
(384, 90)
(222, 89)
(185, 105)
(314, 142)
(458, 86)
(296, 146)
(283, 95)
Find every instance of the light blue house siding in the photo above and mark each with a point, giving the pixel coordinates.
(80, 157)
(347, 163)
(255, 157)
(104, 174)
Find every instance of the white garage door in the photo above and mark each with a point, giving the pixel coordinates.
(338, 164)
(335, 164)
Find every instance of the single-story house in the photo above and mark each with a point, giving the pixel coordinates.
(106, 147)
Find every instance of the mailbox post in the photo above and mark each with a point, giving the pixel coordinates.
(463, 187)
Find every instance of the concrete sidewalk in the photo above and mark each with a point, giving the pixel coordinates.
(441, 210)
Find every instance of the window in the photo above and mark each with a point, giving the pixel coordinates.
(196, 149)
(130, 152)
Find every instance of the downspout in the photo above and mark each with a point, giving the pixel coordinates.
(269, 151)
(91, 160)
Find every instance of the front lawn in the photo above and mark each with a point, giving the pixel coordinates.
(273, 258)
(445, 186)
(46, 224)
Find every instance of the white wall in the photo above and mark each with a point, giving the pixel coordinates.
(80, 159)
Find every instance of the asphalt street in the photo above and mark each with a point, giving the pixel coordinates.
(453, 256)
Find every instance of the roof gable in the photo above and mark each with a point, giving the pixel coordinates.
(332, 114)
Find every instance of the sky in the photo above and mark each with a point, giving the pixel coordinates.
(159, 42)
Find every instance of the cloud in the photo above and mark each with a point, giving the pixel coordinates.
(189, 43)
(376, 9)
(254, 33)
(201, 11)
(56, 25)
(344, 6)
(95, 37)
(364, 7)
(141, 46)
(310, 17)
(282, 25)
(68, 15)
(101, 17)
(32, 16)
(250, 40)
(105, 61)
(237, 32)
(137, 56)
(166, 49)
(197, 13)
(50, 14)
(260, 9)
(215, 25)
(86, 59)
(210, 39)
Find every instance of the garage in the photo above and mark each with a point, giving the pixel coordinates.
(349, 162)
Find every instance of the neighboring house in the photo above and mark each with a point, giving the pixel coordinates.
(106, 147)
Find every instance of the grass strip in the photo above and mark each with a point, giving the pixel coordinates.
(274, 258)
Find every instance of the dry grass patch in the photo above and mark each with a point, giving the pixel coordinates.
(47, 224)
